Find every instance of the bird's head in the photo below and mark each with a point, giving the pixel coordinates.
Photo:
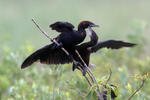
(86, 24)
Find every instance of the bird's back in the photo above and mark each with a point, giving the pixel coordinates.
(70, 38)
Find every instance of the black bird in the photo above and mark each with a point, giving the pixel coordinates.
(52, 54)
(57, 56)
(70, 37)
(92, 46)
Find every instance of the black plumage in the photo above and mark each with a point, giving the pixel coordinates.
(69, 37)
(48, 55)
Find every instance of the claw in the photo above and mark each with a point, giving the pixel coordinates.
(59, 46)
(76, 65)
(84, 71)
(55, 46)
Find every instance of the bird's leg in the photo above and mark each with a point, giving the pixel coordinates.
(77, 65)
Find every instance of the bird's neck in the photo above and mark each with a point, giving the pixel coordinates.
(93, 37)
(82, 31)
(81, 28)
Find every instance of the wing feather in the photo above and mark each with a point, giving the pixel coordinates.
(113, 44)
(62, 26)
(46, 55)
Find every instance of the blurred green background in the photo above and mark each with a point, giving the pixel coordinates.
(126, 20)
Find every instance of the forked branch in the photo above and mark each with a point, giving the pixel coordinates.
(89, 72)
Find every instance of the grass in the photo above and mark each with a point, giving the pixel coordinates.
(43, 82)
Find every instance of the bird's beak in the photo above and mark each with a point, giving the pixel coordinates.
(94, 25)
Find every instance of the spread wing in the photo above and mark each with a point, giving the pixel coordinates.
(113, 44)
(46, 55)
(62, 26)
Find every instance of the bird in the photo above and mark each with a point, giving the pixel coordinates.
(68, 38)
(86, 49)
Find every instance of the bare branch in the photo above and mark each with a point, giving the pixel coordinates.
(43, 31)
(89, 72)
(138, 89)
(91, 76)
(86, 77)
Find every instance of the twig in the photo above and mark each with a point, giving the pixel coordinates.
(138, 89)
(86, 77)
(88, 70)
(109, 76)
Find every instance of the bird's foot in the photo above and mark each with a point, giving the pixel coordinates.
(55, 46)
(60, 45)
(76, 64)
(84, 71)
